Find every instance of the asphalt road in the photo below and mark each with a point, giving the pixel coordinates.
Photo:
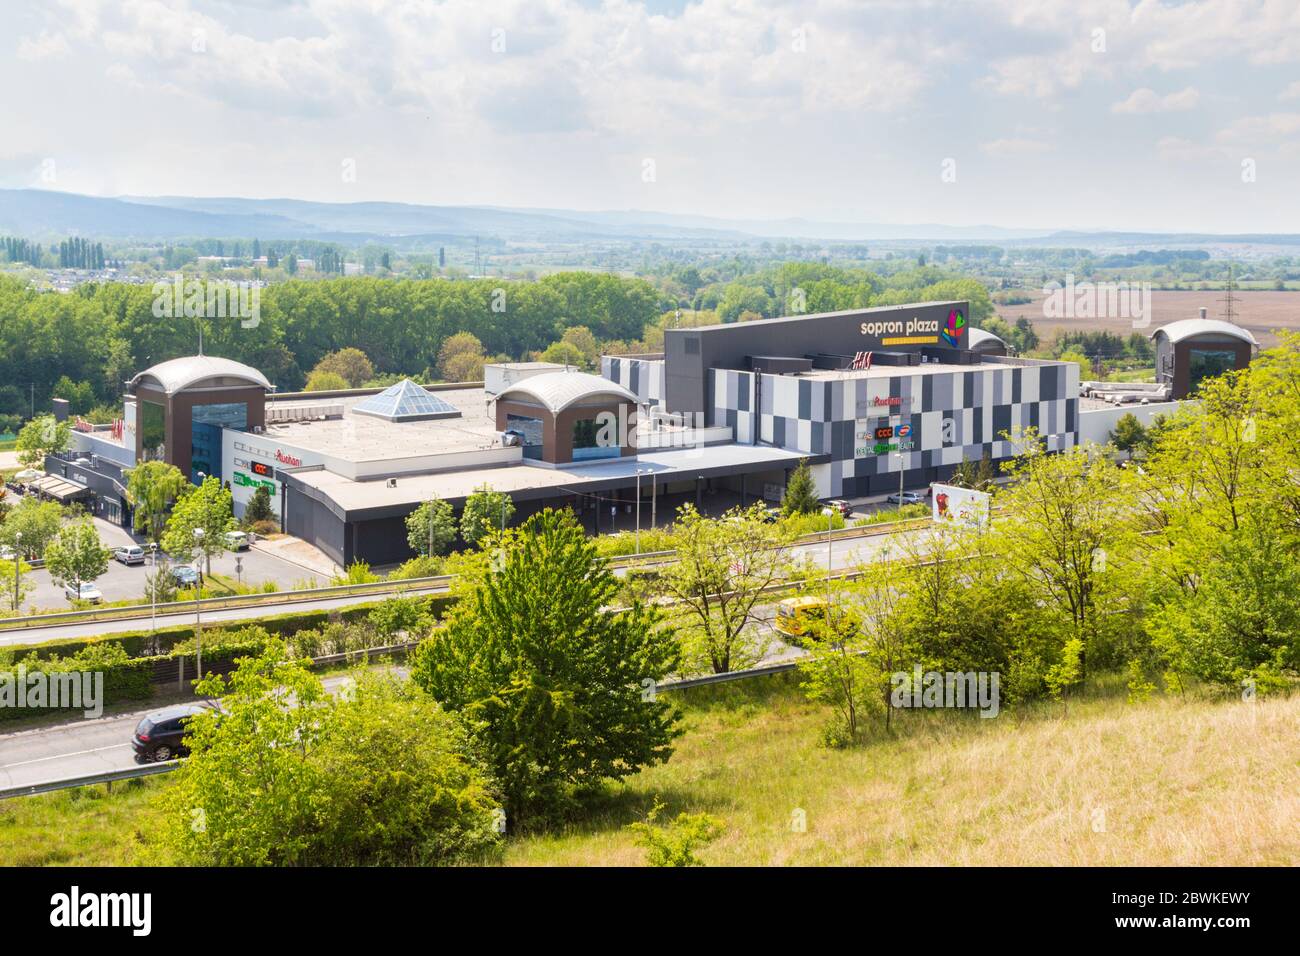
(838, 554)
(79, 748)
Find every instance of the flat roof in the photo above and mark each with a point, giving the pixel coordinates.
(528, 481)
(356, 437)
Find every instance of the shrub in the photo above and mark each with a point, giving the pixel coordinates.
(290, 776)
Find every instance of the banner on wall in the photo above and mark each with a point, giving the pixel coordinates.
(960, 506)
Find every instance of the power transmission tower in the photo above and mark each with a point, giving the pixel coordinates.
(1229, 300)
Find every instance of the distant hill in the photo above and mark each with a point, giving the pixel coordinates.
(42, 214)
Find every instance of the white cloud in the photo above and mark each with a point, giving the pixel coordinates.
(1146, 100)
(43, 47)
(1261, 130)
(1292, 92)
(1015, 146)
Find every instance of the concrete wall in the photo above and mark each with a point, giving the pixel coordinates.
(1095, 425)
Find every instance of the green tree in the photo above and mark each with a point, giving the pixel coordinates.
(325, 382)
(76, 556)
(1129, 435)
(676, 843)
(800, 492)
(40, 437)
(555, 681)
(718, 584)
(564, 353)
(152, 488)
(485, 510)
(205, 509)
(350, 364)
(259, 508)
(291, 777)
(30, 526)
(15, 584)
(461, 358)
(431, 528)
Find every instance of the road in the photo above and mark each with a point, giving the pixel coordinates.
(79, 748)
(838, 554)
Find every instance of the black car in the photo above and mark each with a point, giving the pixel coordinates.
(160, 735)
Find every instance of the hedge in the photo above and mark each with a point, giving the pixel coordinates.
(125, 678)
(138, 643)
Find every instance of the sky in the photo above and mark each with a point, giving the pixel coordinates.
(1150, 115)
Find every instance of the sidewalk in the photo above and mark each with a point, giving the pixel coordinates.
(299, 552)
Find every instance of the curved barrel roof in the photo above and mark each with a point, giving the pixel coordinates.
(556, 391)
(176, 375)
(1187, 328)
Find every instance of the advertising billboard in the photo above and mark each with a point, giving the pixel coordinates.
(960, 506)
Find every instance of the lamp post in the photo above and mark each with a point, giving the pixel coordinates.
(638, 509)
(18, 563)
(153, 587)
(198, 610)
(830, 546)
(899, 456)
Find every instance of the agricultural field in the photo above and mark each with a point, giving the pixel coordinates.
(1259, 311)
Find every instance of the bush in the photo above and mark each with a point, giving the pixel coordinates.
(291, 776)
(124, 678)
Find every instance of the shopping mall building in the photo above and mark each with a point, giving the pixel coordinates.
(871, 398)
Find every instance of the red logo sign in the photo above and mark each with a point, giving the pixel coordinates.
(289, 460)
(889, 400)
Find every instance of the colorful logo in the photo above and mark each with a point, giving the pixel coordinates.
(903, 431)
(953, 328)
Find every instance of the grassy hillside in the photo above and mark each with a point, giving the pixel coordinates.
(1170, 781)
(1180, 782)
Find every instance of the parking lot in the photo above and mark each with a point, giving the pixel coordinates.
(122, 582)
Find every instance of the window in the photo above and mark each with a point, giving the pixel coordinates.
(153, 431)
(1208, 363)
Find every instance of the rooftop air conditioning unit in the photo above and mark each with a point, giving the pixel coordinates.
(392, 482)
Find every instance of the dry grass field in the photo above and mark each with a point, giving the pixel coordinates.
(1261, 312)
(1167, 782)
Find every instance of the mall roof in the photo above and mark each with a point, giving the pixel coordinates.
(556, 391)
(527, 481)
(179, 374)
(405, 402)
(1187, 328)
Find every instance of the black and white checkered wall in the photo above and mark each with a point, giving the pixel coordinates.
(924, 422)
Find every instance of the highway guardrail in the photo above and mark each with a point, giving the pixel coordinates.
(276, 599)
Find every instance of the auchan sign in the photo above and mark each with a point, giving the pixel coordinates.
(286, 459)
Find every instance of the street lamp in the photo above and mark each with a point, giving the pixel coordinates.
(899, 456)
(830, 546)
(649, 471)
(153, 587)
(198, 610)
(18, 563)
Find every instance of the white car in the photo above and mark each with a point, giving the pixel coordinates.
(236, 541)
(131, 554)
(88, 592)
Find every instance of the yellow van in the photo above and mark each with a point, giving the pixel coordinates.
(799, 616)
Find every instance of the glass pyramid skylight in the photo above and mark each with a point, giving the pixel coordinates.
(405, 402)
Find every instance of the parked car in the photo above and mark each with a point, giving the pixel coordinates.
(906, 498)
(236, 541)
(130, 554)
(185, 576)
(6, 553)
(840, 505)
(161, 735)
(86, 592)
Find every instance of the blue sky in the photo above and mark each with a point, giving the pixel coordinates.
(1052, 113)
